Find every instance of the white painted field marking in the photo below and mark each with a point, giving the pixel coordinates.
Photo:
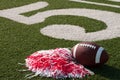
(69, 32)
(14, 13)
(111, 19)
(95, 3)
(115, 0)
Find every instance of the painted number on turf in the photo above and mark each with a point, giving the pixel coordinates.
(68, 32)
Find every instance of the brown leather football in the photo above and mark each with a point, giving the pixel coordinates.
(89, 54)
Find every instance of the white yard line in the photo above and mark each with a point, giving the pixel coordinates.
(95, 3)
(115, 0)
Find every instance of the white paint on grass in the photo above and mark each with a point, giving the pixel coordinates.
(115, 0)
(72, 32)
(15, 13)
(95, 3)
(68, 32)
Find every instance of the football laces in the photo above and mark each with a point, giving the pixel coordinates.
(88, 45)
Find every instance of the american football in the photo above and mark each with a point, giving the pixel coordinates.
(90, 54)
(42, 26)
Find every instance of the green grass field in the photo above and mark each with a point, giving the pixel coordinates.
(18, 40)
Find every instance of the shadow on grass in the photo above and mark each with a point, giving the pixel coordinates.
(106, 71)
(109, 72)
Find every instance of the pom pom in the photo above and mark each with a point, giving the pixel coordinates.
(57, 63)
